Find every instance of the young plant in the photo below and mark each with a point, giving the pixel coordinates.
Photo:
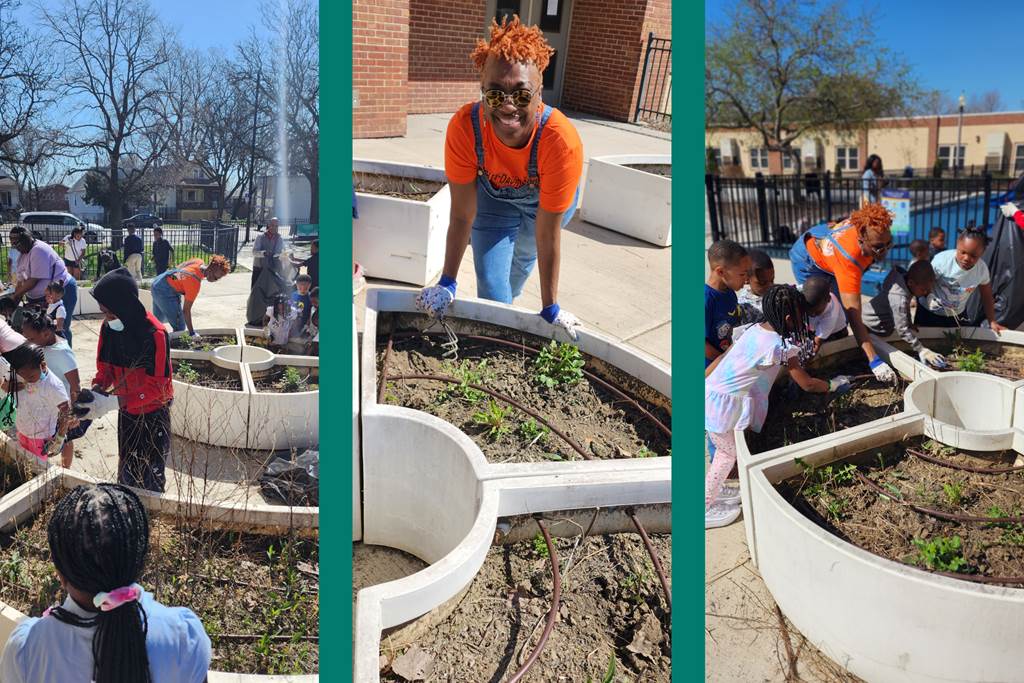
(941, 554)
(558, 364)
(494, 418)
(609, 673)
(646, 452)
(954, 492)
(533, 432)
(540, 546)
(971, 362)
(186, 373)
(292, 379)
(467, 373)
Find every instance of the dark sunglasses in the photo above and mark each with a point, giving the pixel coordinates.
(520, 98)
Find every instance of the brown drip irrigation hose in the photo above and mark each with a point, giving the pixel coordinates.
(654, 557)
(384, 368)
(556, 594)
(965, 468)
(931, 512)
(610, 387)
(535, 415)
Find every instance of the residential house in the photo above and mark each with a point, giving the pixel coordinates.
(270, 199)
(81, 208)
(10, 195)
(48, 198)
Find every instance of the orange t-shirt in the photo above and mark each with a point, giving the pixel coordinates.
(559, 157)
(848, 274)
(184, 283)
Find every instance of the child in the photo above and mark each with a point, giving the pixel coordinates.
(936, 241)
(313, 328)
(43, 411)
(890, 309)
(825, 313)
(278, 321)
(300, 303)
(736, 391)
(730, 270)
(958, 273)
(919, 251)
(761, 278)
(312, 263)
(39, 329)
(133, 251)
(108, 628)
(12, 312)
(163, 252)
(55, 306)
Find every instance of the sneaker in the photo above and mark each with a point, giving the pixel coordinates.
(729, 494)
(720, 515)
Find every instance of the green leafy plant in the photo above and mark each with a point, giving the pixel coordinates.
(494, 418)
(941, 554)
(646, 452)
(467, 373)
(558, 364)
(1013, 534)
(954, 492)
(609, 673)
(971, 362)
(186, 373)
(291, 380)
(533, 431)
(540, 546)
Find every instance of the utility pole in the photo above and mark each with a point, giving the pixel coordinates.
(252, 152)
(957, 161)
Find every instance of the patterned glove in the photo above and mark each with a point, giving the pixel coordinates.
(882, 371)
(435, 300)
(559, 318)
(53, 446)
(929, 357)
(1009, 209)
(94, 404)
(840, 384)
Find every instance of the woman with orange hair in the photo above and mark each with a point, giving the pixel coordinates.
(184, 281)
(514, 166)
(842, 253)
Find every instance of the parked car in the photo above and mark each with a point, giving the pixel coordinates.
(53, 226)
(142, 220)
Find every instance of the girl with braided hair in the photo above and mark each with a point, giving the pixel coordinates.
(108, 629)
(737, 385)
(43, 415)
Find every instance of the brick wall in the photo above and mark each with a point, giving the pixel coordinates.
(604, 65)
(442, 33)
(380, 69)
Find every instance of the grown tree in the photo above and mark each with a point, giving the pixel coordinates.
(787, 69)
(26, 76)
(35, 159)
(983, 103)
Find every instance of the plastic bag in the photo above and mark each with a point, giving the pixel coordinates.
(1003, 256)
(293, 482)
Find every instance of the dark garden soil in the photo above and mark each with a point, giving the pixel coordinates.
(795, 415)
(396, 186)
(206, 374)
(1001, 360)
(12, 475)
(655, 169)
(852, 510)
(256, 596)
(286, 380)
(612, 606)
(204, 343)
(264, 343)
(602, 424)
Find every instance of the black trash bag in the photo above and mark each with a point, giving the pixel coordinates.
(293, 482)
(1004, 257)
(269, 284)
(106, 261)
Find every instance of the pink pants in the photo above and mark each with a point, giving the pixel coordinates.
(34, 446)
(725, 458)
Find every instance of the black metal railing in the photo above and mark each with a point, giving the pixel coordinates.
(655, 99)
(770, 212)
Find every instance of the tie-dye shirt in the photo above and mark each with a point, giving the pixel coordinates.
(736, 393)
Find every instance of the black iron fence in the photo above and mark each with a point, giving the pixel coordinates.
(770, 212)
(200, 239)
(655, 99)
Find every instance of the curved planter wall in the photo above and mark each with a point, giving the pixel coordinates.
(428, 490)
(880, 619)
(628, 200)
(401, 239)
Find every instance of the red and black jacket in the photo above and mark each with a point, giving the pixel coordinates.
(136, 365)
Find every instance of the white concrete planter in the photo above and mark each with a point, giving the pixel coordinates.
(357, 482)
(87, 305)
(880, 619)
(428, 490)
(401, 239)
(245, 419)
(628, 200)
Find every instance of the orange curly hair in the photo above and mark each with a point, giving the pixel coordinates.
(513, 42)
(872, 218)
(218, 261)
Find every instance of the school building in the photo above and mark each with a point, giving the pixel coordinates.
(412, 56)
(987, 141)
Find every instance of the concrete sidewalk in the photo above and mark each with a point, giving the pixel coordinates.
(613, 283)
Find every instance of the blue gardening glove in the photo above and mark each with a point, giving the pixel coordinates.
(559, 318)
(94, 404)
(840, 384)
(435, 300)
(882, 371)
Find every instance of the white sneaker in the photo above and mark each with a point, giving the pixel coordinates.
(729, 494)
(720, 515)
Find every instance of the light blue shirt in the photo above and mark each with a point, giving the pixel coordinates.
(45, 650)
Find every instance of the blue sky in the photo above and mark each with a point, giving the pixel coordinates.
(952, 45)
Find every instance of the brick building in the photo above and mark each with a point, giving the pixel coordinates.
(412, 56)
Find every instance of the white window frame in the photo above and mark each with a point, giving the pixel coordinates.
(1018, 163)
(759, 158)
(191, 196)
(848, 158)
(787, 161)
(945, 158)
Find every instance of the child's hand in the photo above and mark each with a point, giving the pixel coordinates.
(817, 344)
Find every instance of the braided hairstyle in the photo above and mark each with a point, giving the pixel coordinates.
(28, 355)
(99, 536)
(38, 320)
(784, 300)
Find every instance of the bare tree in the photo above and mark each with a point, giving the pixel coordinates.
(26, 74)
(36, 159)
(113, 52)
(984, 103)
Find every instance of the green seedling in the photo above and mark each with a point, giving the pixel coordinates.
(494, 418)
(941, 554)
(467, 373)
(954, 492)
(186, 373)
(646, 452)
(971, 362)
(533, 432)
(558, 364)
(292, 380)
(540, 546)
(609, 673)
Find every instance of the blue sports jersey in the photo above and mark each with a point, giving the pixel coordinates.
(721, 314)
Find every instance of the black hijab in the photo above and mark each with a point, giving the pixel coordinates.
(134, 346)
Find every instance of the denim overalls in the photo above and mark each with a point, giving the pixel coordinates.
(804, 266)
(504, 231)
(167, 300)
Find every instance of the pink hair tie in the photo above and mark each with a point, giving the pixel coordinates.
(117, 597)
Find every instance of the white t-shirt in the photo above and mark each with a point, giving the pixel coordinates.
(954, 285)
(38, 404)
(279, 329)
(56, 310)
(60, 360)
(74, 249)
(831, 320)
